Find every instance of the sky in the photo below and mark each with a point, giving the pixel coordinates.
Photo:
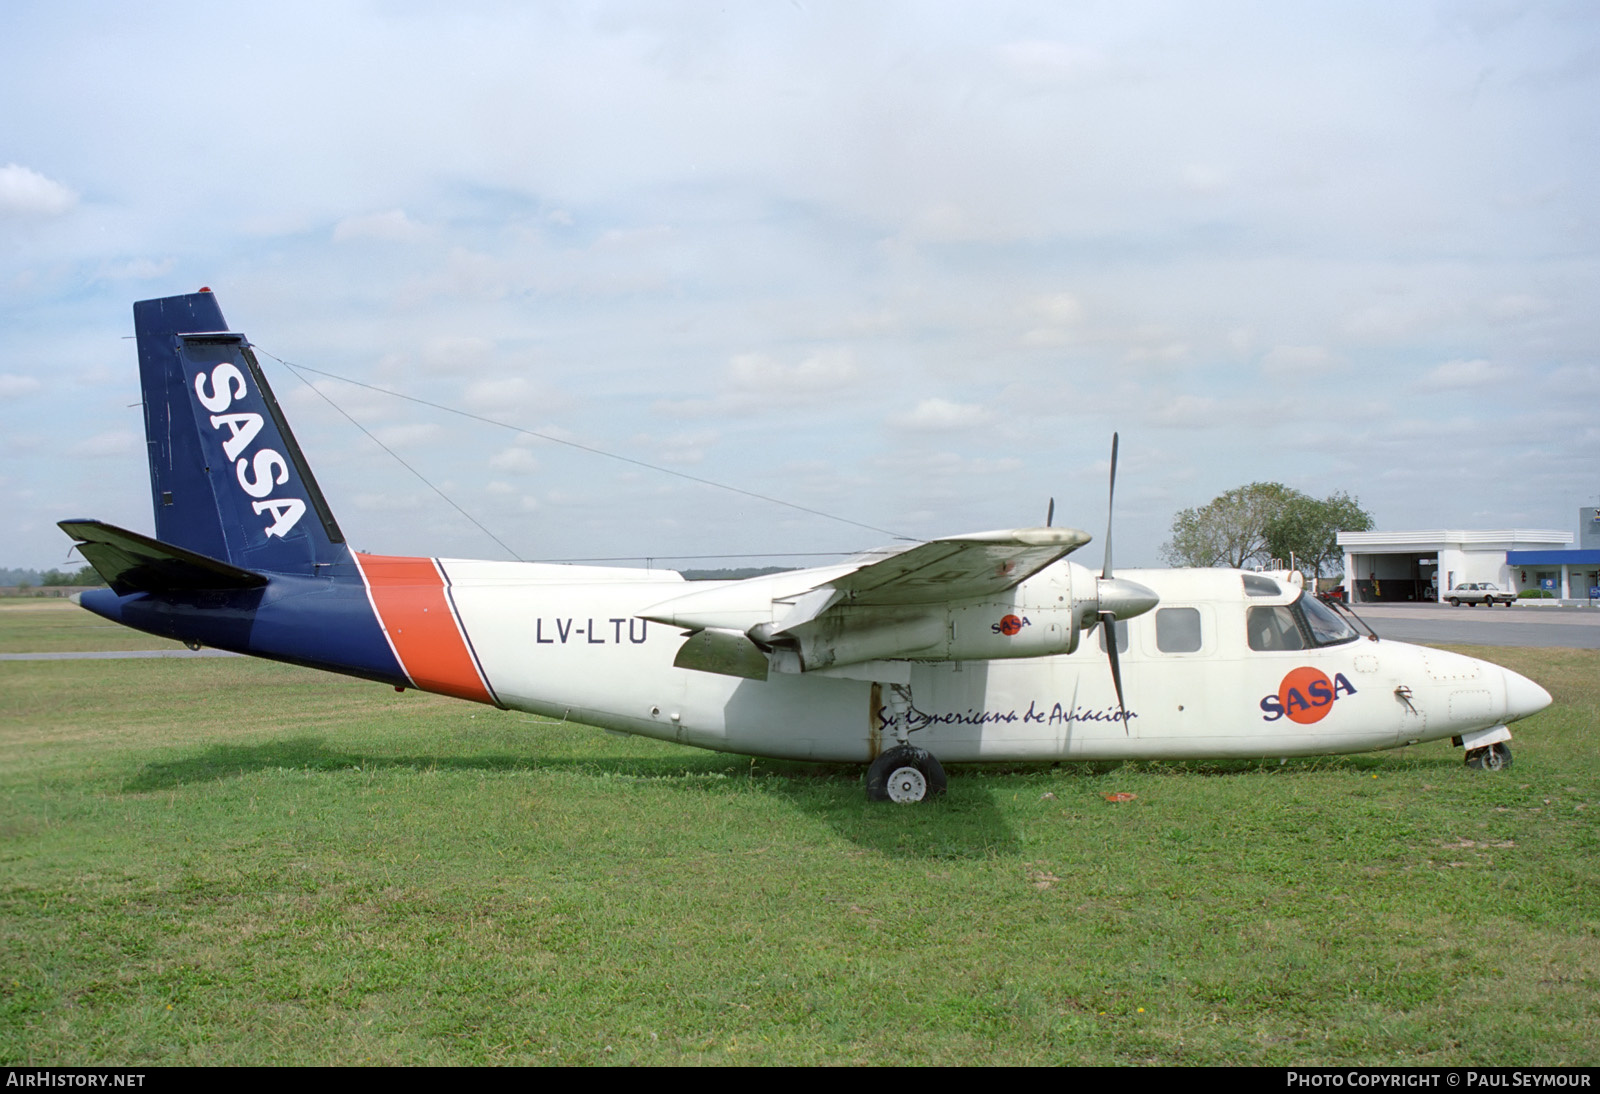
(909, 265)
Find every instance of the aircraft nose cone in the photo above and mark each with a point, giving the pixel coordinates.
(1523, 696)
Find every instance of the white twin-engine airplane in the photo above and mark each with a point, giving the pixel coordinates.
(969, 649)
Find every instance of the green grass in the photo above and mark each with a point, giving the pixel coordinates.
(40, 625)
(229, 861)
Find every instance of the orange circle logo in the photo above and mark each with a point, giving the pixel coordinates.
(1010, 625)
(1305, 695)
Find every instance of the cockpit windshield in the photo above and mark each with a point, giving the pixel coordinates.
(1327, 628)
(1300, 625)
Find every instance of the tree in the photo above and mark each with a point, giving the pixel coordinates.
(82, 577)
(1230, 530)
(1307, 530)
(1264, 521)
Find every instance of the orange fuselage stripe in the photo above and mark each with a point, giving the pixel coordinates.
(410, 597)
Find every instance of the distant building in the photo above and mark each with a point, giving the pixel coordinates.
(1425, 565)
(1589, 529)
(1569, 575)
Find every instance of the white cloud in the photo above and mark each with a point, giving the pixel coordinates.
(1053, 320)
(407, 436)
(137, 269)
(826, 371)
(514, 459)
(1045, 63)
(12, 386)
(679, 448)
(504, 397)
(1518, 306)
(113, 442)
(1157, 352)
(390, 503)
(942, 415)
(1050, 219)
(761, 383)
(447, 355)
(1296, 362)
(1453, 375)
(1187, 412)
(25, 192)
(392, 226)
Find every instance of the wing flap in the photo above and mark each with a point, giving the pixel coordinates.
(725, 652)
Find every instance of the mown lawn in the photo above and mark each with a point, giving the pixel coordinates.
(229, 861)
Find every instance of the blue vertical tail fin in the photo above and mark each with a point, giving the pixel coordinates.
(227, 478)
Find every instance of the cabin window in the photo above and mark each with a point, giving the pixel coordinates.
(1122, 636)
(1178, 630)
(1273, 628)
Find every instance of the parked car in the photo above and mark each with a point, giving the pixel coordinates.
(1480, 592)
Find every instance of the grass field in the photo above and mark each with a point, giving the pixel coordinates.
(38, 625)
(228, 861)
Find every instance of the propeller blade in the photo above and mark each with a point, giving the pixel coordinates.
(1111, 497)
(1050, 514)
(1108, 620)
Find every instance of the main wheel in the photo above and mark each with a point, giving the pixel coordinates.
(905, 774)
(1496, 757)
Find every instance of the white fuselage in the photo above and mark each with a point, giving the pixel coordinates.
(582, 651)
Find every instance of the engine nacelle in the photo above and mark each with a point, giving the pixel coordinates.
(1036, 619)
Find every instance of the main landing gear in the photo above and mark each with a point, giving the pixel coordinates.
(1495, 757)
(905, 774)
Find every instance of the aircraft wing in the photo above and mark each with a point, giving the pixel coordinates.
(958, 567)
(890, 605)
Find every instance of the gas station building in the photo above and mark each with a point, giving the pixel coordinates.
(1386, 567)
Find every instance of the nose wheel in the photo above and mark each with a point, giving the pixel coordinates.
(905, 775)
(1495, 757)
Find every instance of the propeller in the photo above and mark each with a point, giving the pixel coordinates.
(1111, 500)
(1117, 598)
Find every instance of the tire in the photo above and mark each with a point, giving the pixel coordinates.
(1455, 602)
(1496, 757)
(905, 775)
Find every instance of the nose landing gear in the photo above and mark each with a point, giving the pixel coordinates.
(1495, 757)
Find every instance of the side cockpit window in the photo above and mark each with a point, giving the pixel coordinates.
(1301, 625)
(1273, 628)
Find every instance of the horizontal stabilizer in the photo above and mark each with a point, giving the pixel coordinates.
(132, 563)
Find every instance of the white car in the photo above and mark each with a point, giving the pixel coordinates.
(1480, 592)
